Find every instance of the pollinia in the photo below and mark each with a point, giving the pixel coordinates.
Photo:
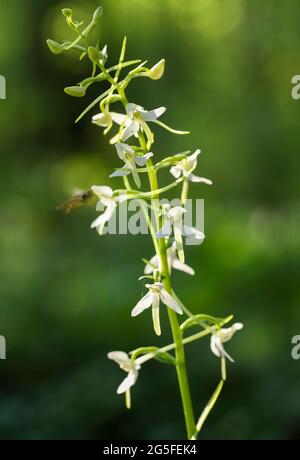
(133, 140)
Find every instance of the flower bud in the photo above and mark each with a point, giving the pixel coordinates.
(94, 54)
(55, 47)
(157, 71)
(97, 15)
(67, 12)
(75, 91)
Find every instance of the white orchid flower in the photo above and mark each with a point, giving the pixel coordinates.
(106, 198)
(127, 154)
(187, 164)
(223, 335)
(173, 262)
(174, 223)
(106, 119)
(131, 367)
(137, 118)
(156, 71)
(152, 299)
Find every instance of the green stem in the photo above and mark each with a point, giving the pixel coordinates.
(176, 332)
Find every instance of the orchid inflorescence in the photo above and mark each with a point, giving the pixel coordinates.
(133, 141)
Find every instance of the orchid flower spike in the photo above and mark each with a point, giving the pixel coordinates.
(156, 294)
(173, 262)
(127, 154)
(189, 164)
(137, 118)
(106, 198)
(174, 222)
(221, 336)
(131, 367)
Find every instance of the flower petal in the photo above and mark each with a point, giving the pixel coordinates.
(104, 217)
(169, 301)
(166, 230)
(143, 304)
(193, 233)
(182, 267)
(153, 114)
(198, 179)
(119, 357)
(100, 190)
(128, 382)
(120, 173)
(118, 118)
(155, 313)
(176, 171)
(141, 160)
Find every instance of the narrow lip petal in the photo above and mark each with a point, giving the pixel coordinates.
(143, 304)
(128, 131)
(105, 217)
(128, 382)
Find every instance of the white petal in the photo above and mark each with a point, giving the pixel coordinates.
(119, 357)
(131, 108)
(104, 217)
(102, 119)
(141, 160)
(217, 348)
(149, 267)
(100, 190)
(176, 171)
(169, 301)
(143, 304)
(129, 131)
(153, 114)
(194, 155)
(118, 118)
(120, 173)
(128, 382)
(198, 179)
(182, 267)
(166, 230)
(193, 233)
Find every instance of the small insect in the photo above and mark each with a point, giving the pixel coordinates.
(76, 201)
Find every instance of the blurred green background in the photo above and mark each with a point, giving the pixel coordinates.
(66, 294)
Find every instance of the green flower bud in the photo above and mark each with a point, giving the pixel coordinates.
(67, 12)
(97, 15)
(75, 91)
(55, 48)
(94, 54)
